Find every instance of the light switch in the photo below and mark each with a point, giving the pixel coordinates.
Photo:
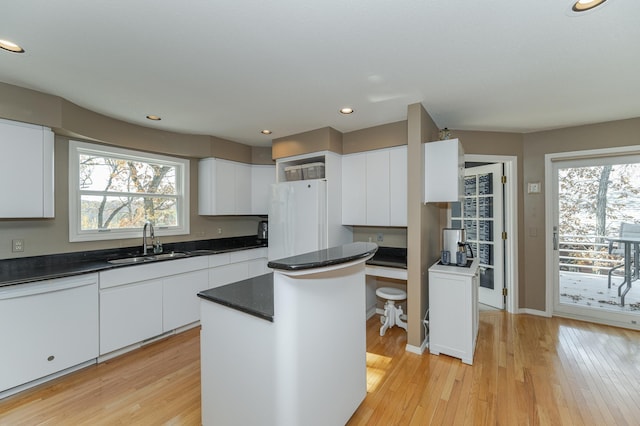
(533, 188)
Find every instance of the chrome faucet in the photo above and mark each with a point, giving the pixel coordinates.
(144, 236)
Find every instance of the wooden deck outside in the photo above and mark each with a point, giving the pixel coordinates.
(591, 290)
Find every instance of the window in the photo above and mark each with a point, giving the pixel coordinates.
(114, 191)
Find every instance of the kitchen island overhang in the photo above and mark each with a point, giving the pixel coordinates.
(304, 365)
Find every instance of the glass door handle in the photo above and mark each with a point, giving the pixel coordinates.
(555, 238)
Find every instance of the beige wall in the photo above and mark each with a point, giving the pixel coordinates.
(47, 236)
(377, 137)
(324, 139)
(423, 220)
(536, 145)
(391, 237)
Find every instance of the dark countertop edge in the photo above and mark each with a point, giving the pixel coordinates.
(48, 267)
(212, 295)
(315, 260)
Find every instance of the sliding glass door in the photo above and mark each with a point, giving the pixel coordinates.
(592, 200)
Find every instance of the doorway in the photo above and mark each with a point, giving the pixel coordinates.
(593, 195)
(491, 213)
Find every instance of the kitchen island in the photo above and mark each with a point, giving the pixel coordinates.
(287, 348)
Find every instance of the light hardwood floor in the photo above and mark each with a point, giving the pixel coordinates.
(527, 371)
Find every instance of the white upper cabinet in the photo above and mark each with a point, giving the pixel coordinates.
(443, 171)
(262, 176)
(227, 188)
(243, 188)
(374, 187)
(26, 170)
(398, 186)
(354, 188)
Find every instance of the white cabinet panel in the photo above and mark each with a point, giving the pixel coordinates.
(181, 305)
(26, 170)
(374, 188)
(377, 192)
(354, 187)
(243, 189)
(228, 187)
(443, 171)
(225, 187)
(398, 186)
(47, 327)
(453, 311)
(261, 179)
(130, 314)
(228, 274)
(258, 267)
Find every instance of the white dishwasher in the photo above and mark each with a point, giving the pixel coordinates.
(46, 327)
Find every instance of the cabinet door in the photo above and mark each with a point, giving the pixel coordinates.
(206, 186)
(377, 188)
(225, 187)
(243, 189)
(43, 333)
(354, 186)
(443, 171)
(227, 274)
(261, 179)
(181, 305)
(398, 186)
(258, 267)
(130, 314)
(26, 170)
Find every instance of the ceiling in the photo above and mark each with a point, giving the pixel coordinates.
(230, 68)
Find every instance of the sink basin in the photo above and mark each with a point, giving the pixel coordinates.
(172, 255)
(150, 258)
(203, 252)
(131, 260)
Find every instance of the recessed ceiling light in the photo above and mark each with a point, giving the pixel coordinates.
(584, 5)
(154, 117)
(10, 46)
(265, 132)
(346, 110)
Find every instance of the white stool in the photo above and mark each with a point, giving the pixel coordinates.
(392, 312)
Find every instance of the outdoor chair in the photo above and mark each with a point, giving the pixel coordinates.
(626, 230)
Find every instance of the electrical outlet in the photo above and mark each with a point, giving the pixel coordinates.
(380, 237)
(17, 245)
(219, 231)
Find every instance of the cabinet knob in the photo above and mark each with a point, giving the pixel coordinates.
(51, 358)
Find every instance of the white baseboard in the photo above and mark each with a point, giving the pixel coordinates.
(418, 350)
(534, 312)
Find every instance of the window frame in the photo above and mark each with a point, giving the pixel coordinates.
(76, 234)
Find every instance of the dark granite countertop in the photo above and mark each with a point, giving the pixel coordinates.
(393, 257)
(327, 257)
(253, 296)
(37, 268)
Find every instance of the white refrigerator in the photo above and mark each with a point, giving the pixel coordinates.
(297, 218)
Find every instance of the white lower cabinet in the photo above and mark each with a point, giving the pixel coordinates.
(453, 311)
(236, 266)
(47, 327)
(130, 314)
(138, 303)
(181, 304)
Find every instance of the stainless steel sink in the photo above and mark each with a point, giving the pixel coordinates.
(131, 260)
(205, 251)
(144, 259)
(171, 255)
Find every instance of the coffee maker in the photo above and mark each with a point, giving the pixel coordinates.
(263, 230)
(450, 239)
